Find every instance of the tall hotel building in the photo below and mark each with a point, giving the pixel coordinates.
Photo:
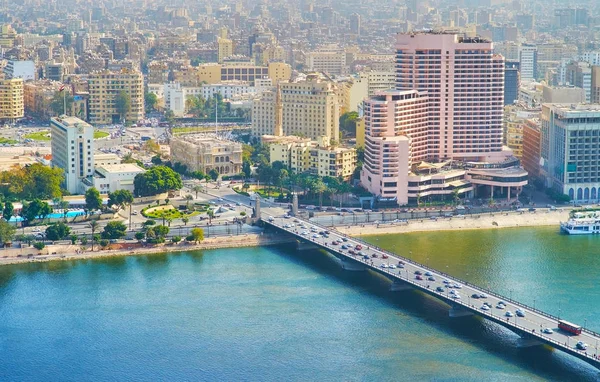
(464, 80)
(440, 131)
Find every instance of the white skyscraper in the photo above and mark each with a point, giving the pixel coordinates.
(73, 151)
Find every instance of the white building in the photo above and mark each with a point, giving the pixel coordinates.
(20, 69)
(113, 177)
(528, 62)
(73, 151)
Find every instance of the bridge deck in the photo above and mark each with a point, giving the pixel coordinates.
(530, 326)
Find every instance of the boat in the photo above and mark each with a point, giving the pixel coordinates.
(582, 223)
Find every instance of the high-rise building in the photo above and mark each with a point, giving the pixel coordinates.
(396, 136)
(532, 147)
(466, 98)
(355, 23)
(310, 108)
(528, 62)
(8, 36)
(73, 151)
(511, 82)
(106, 86)
(580, 74)
(570, 147)
(595, 86)
(11, 99)
(225, 48)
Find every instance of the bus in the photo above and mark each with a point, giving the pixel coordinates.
(569, 327)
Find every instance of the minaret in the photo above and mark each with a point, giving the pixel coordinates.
(278, 131)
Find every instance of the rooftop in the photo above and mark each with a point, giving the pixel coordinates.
(121, 167)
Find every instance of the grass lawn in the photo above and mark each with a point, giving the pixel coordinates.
(6, 141)
(39, 136)
(100, 134)
(166, 212)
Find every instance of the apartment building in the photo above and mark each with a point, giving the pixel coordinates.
(330, 62)
(532, 147)
(216, 73)
(105, 87)
(225, 48)
(310, 108)
(11, 99)
(37, 96)
(73, 151)
(205, 153)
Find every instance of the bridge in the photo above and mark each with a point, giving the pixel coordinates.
(534, 326)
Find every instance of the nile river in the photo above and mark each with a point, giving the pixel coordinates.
(271, 314)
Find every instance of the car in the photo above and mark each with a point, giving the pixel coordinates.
(417, 272)
(384, 256)
(392, 266)
(238, 204)
(581, 345)
(457, 286)
(502, 302)
(548, 331)
(499, 306)
(334, 243)
(445, 281)
(315, 236)
(376, 222)
(485, 307)
(344, 239)
(304, 233)
(419, 277)
(135, 212)
(428, 273)
(453, 291)
(482, 295)
(374, 256)
(431, 278)
(456, 296)
(440, 289)
(400, 266)
(531, 209)
(520, 313)
(271, 218)
(344, 246)
(358, 247)
(475, 295)
(509, 314)
(366, 257)
(400, 262)
(488, 304)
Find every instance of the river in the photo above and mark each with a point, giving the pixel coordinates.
(271, 314)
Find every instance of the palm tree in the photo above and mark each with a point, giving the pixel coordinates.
(64, 205)
(169, 220)
(211, 215)
(197, 188)
(185, 220)
(188, 197)
(93, 224)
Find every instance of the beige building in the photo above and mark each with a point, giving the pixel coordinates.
(310, 109)
(315, 157)
(105, 86)
(330, 62)
(225, 48)
(38, 95)
(514, 117)
(11, 99)
(7, 36)
(203, 153)
(216, 73)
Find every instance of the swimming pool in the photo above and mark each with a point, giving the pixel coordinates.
(54, 215)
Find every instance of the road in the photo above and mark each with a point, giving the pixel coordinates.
(463, 297)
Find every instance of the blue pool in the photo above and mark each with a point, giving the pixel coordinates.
(55, 215)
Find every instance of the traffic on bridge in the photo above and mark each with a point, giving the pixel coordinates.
(534, 326)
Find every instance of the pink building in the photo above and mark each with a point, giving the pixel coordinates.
(396, 136)
(465, 84)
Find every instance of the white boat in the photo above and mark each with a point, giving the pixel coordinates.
(582, 223)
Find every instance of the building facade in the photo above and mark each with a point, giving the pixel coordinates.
(203, 153)
(465, 84)
(11, 99)
(105, 87)
(571, 149)
(532, 147)
(73, 151)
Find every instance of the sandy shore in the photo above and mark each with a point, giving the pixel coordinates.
(485, 221)
(73, 252)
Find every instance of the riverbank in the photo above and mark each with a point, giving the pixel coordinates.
(468, 222)
(73, 252)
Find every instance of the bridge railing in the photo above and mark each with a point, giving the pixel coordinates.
(453, 278)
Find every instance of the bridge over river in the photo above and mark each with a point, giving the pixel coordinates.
(532, 325)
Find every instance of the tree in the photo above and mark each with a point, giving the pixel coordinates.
(176, 239)
(93, 201)
(455, 196)
(104, 243)
(156, 180)
(150, 101)
(120, 198)
(57, 104)
(8, 211)
(31, 181)
(156, 160)
(123, 104)
(114, 230)
(161, 230)
(214, 174)
(93, 224)
(64, 206)
(185, 220)
(348, 124)
(319, 188)
(197, 188)
(39, 245)
(211, 215)
(73, 239)
(37, 209)
(169, 116)
(57, 231)
(188, 198)
(197, 234)
(152, 146)
(7, 232)
(139, 236)
(246, 169)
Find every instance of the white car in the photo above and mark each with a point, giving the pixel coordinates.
(485, 307)
(392, 266)
(383, 265)
(548, 331)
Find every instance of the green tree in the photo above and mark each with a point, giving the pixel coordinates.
(34, 210)
(197, 188)
(150, 101)
(319, 188)
(156, 160)
(39, 245)
(104, 243)
(139, 236)
(348, 124)
(161, 230)
(57, 104)
(93, 201)
(246, 169)
(188, 198)
(214, 174)
(114, 230)
(176, 239)
(8, 211)
(197, 234)
(57, 231)
(169, 116)
(156, 180)
(7, 232)
(64, 206)
(93, 224)
(120, 198)
(185, 220)
(123, 104)
(211, 215)
(73, 239)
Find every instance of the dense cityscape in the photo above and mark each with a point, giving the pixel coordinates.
(332, 132)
